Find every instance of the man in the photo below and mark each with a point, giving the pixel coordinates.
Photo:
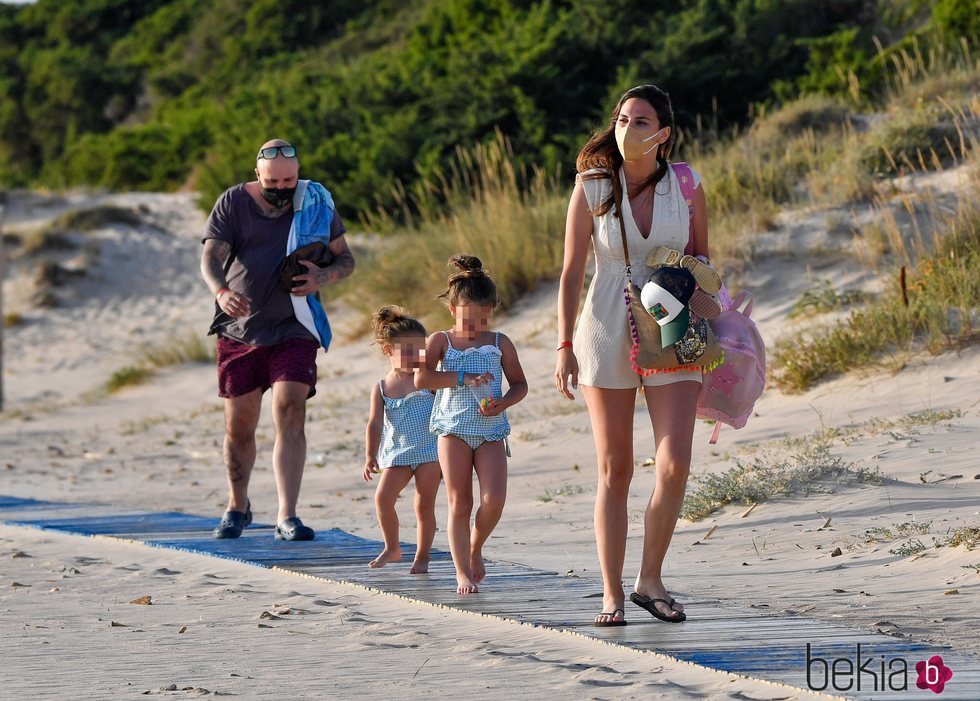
(264, 339)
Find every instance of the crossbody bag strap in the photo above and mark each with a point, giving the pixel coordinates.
(618, 199)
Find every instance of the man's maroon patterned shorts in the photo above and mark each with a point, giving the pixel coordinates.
(243, 368)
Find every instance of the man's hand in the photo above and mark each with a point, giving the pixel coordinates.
(310, 281)
(234, 304)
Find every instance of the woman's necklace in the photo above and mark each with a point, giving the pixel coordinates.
(640, 198)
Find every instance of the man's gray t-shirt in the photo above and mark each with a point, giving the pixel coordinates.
(258, 247)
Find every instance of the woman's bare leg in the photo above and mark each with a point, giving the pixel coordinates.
(611, 412)
(672, 411)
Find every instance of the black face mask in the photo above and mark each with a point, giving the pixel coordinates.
(278, 197)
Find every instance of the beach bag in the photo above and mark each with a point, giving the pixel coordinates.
(697, 350)
(729, 391)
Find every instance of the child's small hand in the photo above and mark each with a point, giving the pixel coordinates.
(370, 468)
(474, 379)
(491, 407)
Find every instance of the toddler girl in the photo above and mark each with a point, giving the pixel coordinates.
(398, 442)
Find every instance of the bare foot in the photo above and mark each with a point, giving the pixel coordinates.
(420, 566)
(387, 555)
(479, 569)
(465, 586)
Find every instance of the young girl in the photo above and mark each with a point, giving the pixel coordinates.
(462, 364)
(398, 440)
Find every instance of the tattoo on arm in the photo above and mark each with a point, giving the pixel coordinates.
(341, 267)
(213, 263)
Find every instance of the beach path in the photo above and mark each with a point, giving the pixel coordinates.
(734, 640)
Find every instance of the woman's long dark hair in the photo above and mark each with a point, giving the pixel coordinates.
(602, 152)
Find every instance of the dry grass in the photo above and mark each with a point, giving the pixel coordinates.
(128, 376)
(187, 347)
(942, 293)
(513, 220)
(749, 177)
(57, 236)
(804, 470)
(967, 536)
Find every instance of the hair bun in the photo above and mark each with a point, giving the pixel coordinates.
(389, 315)
(470, 266)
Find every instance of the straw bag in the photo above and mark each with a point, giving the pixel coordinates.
(697, 350)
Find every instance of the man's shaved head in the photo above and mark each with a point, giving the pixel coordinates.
(275, 142)
(279, 171)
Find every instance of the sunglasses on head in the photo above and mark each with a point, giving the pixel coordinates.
(271, 152)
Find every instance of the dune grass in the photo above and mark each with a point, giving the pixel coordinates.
(186, 347)
(827, 151)
(512, 219)
(91, 218)
(804, 470)
(56, 236)
(938, 310)
(127, 377)
(822, 297)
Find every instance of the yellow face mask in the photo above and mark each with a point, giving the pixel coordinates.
(633, 145)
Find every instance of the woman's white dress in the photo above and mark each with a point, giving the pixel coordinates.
(602, 339)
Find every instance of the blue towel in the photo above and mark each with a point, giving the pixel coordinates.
(313, 210)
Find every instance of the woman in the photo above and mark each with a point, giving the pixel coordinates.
(629, 156)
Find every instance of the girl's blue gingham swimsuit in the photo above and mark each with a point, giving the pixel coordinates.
(456, 411)
(406, 439)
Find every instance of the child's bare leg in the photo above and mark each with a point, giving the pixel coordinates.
(393, 480)
(427, 477)
(490, 462)
(456, 460)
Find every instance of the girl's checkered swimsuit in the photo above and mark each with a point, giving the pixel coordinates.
(405, 438)
(456, 409)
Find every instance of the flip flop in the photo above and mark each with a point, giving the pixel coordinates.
(612, 624)
(650, 605)
(708, 278)
(706, 306)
